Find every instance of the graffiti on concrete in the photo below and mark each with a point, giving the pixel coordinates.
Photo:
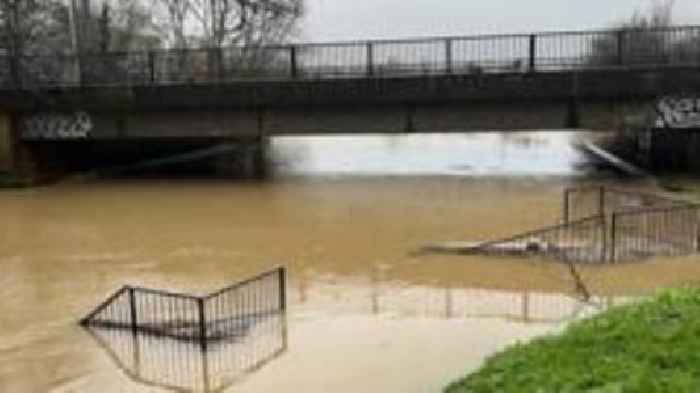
(57, 125)
(678, 112)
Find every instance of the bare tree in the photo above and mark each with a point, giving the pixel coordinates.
(35, 26)
(118, 25)
(220, 23)
(176, 15)
(642, 39)
(232, 32)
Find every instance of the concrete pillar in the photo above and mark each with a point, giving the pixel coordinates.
(260, 151)
(6, 142)
(19, 164)
(261, 147)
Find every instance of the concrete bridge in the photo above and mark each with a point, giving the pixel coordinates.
(588, 80)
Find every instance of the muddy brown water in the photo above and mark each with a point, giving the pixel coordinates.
(365, 313)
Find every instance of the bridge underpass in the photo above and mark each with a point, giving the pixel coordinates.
(563, 86)
(55, 141)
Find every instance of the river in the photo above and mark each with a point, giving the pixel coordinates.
(346, 215)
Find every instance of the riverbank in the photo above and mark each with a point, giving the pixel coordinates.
(652, 346)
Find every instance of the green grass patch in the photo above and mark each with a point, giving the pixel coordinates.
(653, 346)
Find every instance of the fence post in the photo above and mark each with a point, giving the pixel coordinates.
(613, 240)
(566, 213)
(532, 64)
(601, 201)
(370, 59)
(697, 231)
(14, 70)
(604, 243)
(202, 324)
(283, 288)
(132, 305)
(214, 64)
(294, 71)
(152, 67)
(448, 55)
(621, 47)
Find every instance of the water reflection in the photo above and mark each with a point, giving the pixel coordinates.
(185, 366)
(403, 300)
(475, 154)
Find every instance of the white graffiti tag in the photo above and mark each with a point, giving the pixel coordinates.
(57, 126)
(679, 113)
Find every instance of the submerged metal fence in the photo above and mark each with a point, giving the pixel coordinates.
(550, 51)
(582, 241)
(669, 231)
(232, 311)
(607, 225)
(184, 366)
(584, 202)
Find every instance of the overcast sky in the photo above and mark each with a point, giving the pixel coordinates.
(332, 20)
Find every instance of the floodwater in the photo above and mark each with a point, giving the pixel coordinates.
(346, 215)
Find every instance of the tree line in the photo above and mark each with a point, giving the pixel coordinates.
(63, 39)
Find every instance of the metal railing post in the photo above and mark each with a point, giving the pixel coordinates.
(621, 47)
(132, 306)
(370, 59)
(697, 230)
(152, 67)
(14, 70)
(293, 67)
(604, 245)
(202, 324)
(83, 74)
(532, 64)
(448, 56)
(214, 60)
(613, 238)
(283, 288)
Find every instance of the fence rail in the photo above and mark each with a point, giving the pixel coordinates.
(229, 312)
(608, 225)
(582, 202)
(183, 366)
(667, 231)
(582, 241)
(549, 51)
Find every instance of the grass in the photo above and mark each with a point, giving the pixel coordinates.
(652, 346)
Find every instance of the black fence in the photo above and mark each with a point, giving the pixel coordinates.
(582, 241)
(551, 51)
(585, 202)
(670, 231)
(184, 366)
(230, 312)
(607, 225)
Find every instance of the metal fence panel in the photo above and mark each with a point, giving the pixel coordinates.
(231, 312)
(581, 241)
(671, 231)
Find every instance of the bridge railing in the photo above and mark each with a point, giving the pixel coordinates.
(540, 52)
